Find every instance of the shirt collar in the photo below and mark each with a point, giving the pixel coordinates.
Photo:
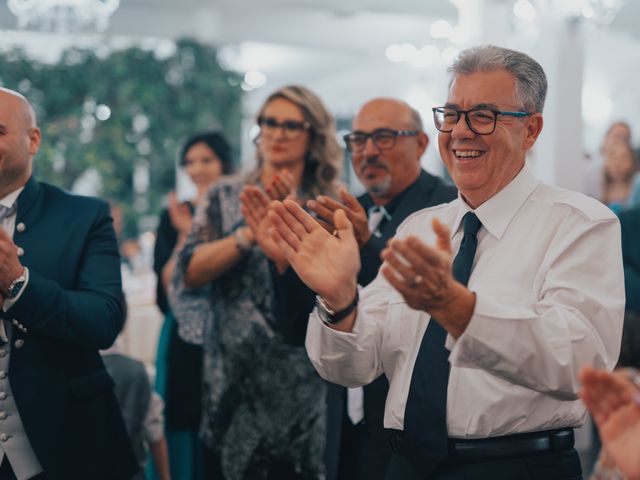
(497, 212)
(10, 199)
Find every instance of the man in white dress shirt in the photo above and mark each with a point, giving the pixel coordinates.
(481, 351)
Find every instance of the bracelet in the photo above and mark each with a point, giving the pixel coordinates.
(242, 242)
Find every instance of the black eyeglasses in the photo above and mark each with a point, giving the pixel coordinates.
(479, 120)
(383, 138)
(290, 128)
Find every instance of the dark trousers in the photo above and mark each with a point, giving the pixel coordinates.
(364, 455)
(275, 470)
(6, 472)
(536, 466)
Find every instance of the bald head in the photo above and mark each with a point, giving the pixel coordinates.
(20, 105)
(399, 110)
(19, 141)
(388, 171)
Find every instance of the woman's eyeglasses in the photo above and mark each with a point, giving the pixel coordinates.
(290, 128)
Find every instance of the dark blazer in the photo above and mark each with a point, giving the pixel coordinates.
(72, 306)
(295, 302)
(630, 227)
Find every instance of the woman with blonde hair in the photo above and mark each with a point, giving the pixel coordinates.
(263, 403)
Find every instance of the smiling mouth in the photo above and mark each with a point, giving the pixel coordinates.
(468, 153)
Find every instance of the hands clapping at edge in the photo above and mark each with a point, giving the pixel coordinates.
(614, 402)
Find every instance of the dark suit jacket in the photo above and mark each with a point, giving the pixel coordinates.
(72, 306)
(295, 302)
(630, 227)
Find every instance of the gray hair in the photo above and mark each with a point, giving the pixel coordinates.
(531, 82)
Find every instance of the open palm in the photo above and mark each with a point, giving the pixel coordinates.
(328, 264)
(255, 205)
(613, 401)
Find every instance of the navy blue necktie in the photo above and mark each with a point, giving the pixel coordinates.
(425, 420)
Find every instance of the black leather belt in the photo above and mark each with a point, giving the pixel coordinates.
(464, 451)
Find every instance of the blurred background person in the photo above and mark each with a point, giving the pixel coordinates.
(204, 157)
(612, 171)
(142, 410)
(264, 404)
(619, 170)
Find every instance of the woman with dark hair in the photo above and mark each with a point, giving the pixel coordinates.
(264, 404)
(204, 157)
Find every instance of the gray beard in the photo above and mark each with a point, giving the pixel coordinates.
(380, 189)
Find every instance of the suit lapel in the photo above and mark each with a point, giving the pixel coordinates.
(27, 200)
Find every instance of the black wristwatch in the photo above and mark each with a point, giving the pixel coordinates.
(15, 286)
(329, 316)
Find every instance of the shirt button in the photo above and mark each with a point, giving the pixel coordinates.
(3, 415)
(3, 352)
(19, 343)
(4, 437)
(20, 227)
(3, 395)
(3, 374)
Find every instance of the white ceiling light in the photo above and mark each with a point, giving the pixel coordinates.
(63, 15)
(253, 79)
(525, 10)
(440, 29)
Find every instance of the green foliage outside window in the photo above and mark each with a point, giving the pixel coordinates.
(153, 106)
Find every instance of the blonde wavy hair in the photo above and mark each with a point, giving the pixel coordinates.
(324, 159)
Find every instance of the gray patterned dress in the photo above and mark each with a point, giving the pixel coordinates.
(262, 400)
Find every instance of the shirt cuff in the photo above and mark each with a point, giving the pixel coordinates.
(8, 303)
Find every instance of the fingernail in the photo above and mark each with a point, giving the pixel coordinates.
(636, 398)
(321, 200)
(311, 203)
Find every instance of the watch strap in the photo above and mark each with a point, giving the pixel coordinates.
(334, 317)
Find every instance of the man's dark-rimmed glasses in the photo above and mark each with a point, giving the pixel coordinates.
(481, 121)
(382, 138)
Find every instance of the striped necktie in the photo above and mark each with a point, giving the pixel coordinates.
(6, 212)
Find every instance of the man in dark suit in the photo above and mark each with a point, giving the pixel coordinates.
(61, 300)
(386, 145)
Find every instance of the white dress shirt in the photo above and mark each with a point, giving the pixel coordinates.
(549, 291)
(9, 224)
